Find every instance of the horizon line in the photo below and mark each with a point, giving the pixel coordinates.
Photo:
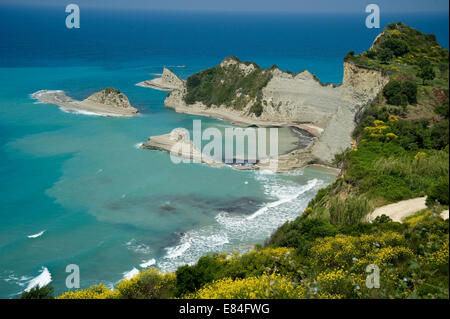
(445, 11)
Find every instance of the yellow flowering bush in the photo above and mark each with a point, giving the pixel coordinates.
(439, 257)
(349, 250)
(391, 136)
(390, 255)
(274, 286)
(393, 118)
(377, 130)
(95, 292)
(336, 282)
(420, 216)
(268, 260)
(149, 284)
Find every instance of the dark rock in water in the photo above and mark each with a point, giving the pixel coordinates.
(167, 207)
(244, 205)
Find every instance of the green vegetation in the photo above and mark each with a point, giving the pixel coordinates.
(149, 284)
(426, 71)
(402, 152)
(229, 85)
(400, 93)
(38, 292)
(439, 193)
(404, 52)
(321, 260)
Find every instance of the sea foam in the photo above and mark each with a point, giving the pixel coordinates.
(231, 231)
(130, 274)
(43, 279)
(36, 235)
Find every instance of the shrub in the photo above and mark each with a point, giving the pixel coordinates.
(397, 46)
(38, 292)
(426, 73)
(385, 55)
(442, 109)
(272, 286)
(350, 54)
(207, 269)
(256, 263)
(149, 284)
(256, 109)
(382, 219)
(409, 88)
(301, 232)
(439, 192)
(99, 291)
(371, 54)
(400, 93)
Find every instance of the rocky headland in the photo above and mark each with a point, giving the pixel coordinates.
(245, 94)
(107, 102)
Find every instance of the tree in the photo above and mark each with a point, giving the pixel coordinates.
(426, 73)
(442, 109)
(371, 54)
(398, 47)
(37, 292)
(400, 93)
(350, 54)
(385, 55)
(409, 88)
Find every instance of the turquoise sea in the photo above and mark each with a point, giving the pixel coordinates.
(80, 184)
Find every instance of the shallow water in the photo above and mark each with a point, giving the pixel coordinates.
(76, 189)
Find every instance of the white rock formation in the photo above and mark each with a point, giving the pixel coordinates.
(167, 82)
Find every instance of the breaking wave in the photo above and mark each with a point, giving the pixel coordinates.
(231, 231)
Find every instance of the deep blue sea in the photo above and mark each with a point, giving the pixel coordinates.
(80, 184)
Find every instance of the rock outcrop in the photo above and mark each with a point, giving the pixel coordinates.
(107, 102)
(110, 97)
(359, 87)
(178, 144)
(167, 82)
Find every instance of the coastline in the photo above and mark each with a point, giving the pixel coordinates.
(236, 117)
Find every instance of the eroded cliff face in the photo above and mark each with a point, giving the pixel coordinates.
(294, 99)
(359, 87)
(299, 98)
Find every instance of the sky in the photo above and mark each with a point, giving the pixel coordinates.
(322, 6)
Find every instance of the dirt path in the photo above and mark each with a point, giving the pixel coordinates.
(399, 210)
